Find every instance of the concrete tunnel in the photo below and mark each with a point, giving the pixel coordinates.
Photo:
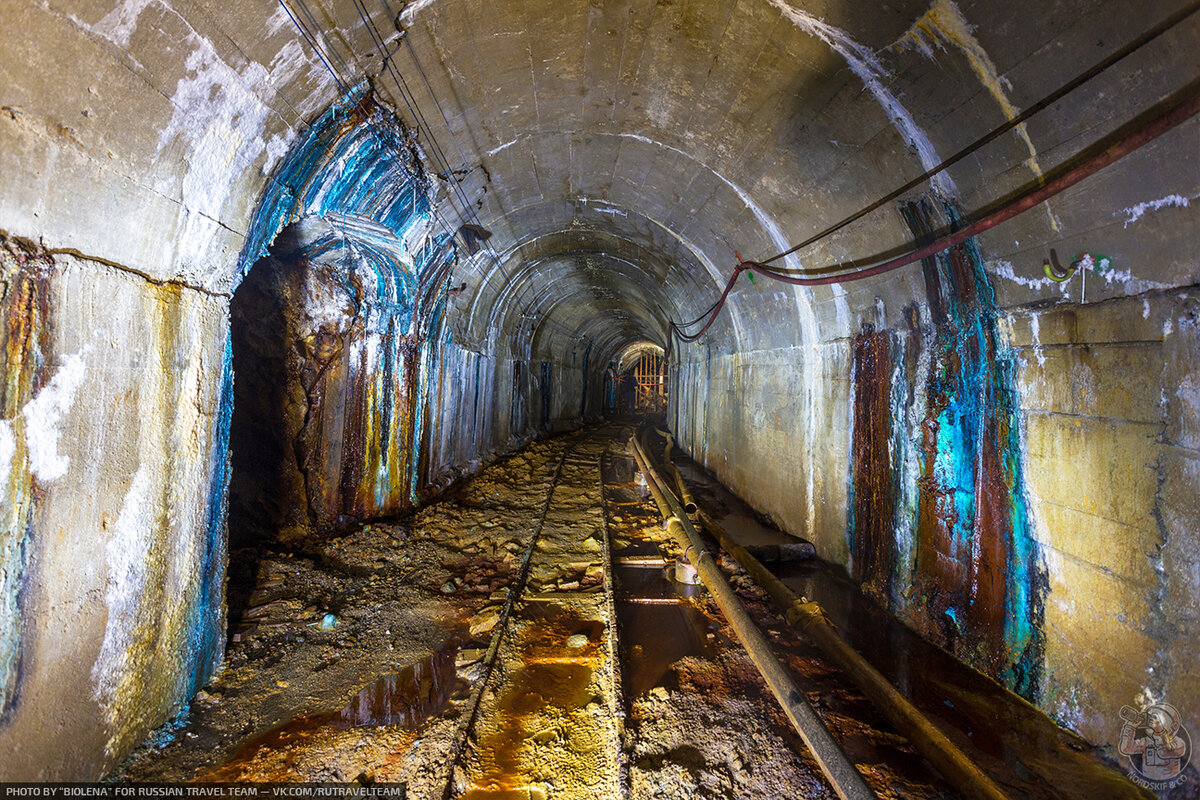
(279, 273)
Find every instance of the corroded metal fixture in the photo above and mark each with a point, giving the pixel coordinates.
(1167, 115)
(685, 494)
(838, 768)
(809, 618)
(684, 572)
(1054, 270)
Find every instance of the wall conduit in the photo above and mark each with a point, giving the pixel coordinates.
(1141, 131)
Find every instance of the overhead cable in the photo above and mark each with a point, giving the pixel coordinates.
(1150, 35)
(1181, 107)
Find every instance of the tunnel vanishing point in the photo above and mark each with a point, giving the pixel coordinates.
(297, 265)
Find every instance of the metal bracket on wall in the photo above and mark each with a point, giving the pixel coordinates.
(1054, 270)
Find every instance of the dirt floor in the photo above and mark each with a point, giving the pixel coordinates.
(525, 637)
(373, 656)
(357, 657)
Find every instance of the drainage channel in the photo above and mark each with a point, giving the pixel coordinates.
(700, 721)
(585, 669)
(1018, 746)
(659, 622)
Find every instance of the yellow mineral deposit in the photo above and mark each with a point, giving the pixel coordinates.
(354, 354)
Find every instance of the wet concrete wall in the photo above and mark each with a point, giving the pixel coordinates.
(137, 149)
(117, 398)
(330, 397)
(1017, 484)
(342, 417)
(347, 375)
(1111, 462)
(353, 402)
(121, 391)
(1030, 507)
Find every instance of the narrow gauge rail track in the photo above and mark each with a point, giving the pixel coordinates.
(545, 718)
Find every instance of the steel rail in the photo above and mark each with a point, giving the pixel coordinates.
(808, 618)
(834, 763)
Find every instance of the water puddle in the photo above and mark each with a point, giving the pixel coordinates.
(653, 637)
(637, 582)
(405, 699)
(1017, 743)
(658, 622)
(558, 652)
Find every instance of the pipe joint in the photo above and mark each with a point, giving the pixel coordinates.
(692, 554)
(806, 613)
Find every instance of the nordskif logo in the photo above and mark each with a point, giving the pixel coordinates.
(1156, 743)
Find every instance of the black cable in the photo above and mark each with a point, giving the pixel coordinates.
(310, 38)
(438, 155)
(1152, 34)
(1139, 132)
(313, 44)
(316, 26)
(408, 98)
(676, 329)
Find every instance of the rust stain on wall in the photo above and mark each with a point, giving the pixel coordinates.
(948, 494)
(24, 290)
(873, 488)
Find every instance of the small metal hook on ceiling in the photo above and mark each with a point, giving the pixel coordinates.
(1098, 264)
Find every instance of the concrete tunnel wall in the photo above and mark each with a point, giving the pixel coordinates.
(1010, 469)
(121, 387)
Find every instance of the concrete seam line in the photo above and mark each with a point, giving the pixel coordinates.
(106, 262)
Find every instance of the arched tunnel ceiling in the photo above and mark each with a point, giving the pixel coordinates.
(651, 138)
(586, 273)
(621, 151)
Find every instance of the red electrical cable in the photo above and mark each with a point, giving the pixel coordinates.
(691, 337)
(1059, 93)
(1182, 107)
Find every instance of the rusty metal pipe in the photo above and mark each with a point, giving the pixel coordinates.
(845, 779)
(1178, 109)
(809, 618)
(685, 494)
